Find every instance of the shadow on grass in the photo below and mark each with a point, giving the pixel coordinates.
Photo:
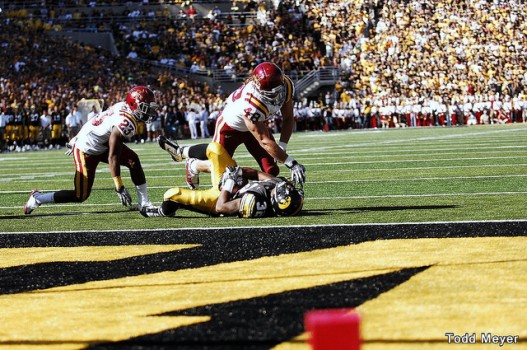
(384, 208)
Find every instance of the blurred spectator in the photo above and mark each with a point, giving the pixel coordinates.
(57, 122)
(204, 121)
(3, 122)
(92, 113)
(73, 122)
(192, 119)
(45, 126)
(171, 124)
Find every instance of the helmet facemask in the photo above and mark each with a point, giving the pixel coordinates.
(275, 96)
(269, 82)
(146, 111)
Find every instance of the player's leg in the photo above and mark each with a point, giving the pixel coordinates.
(264, 159)
(179, 153)
(203, 201)
(85, 167)
(131, 160)
(219, 159)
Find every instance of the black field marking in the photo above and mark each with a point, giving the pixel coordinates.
(263, 322)
(218, 246)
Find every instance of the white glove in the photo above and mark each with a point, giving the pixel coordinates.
(231, 176)
(298, 171)
(124, 196)
(69, 146)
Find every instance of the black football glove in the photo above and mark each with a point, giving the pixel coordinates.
(124, 196)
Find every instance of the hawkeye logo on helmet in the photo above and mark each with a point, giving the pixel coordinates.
(284, 203)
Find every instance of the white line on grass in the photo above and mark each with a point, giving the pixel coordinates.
(421, 195)
(427, 138)
(444, 178)
(469, 194)
(106, 170)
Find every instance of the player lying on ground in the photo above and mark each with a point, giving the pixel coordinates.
(232, 192)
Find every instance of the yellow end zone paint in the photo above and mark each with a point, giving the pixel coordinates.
(26, 256)
(476, 284)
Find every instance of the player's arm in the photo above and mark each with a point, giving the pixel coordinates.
(225, 205)
(288, 123)
(261, 132)
(114, 153)
(253, 174)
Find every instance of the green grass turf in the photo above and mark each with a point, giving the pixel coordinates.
(371, 176)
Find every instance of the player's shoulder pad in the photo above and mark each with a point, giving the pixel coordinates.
(125, 121)
(257, 109)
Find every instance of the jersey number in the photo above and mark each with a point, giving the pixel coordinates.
(238, 93)
(126, 127)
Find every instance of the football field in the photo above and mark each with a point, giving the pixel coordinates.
(423, 231)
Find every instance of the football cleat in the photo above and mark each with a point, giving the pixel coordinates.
(151, 211)
(32, 203)
(140, 206)
(192, 176)
(172, 147)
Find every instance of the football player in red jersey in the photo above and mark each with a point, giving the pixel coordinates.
(101, 140)
(243, 121)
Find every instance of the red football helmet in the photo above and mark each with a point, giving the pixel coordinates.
(269, 81)
(142, 102)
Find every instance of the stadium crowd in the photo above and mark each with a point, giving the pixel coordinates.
(402, 63)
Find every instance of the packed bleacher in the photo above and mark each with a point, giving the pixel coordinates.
(401, 63)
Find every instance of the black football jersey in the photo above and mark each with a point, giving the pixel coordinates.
(34, 119)
(260, 188)
(56, 118)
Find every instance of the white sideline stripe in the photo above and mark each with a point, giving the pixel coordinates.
(77, 205)
(415, 160)
(237, 228)
(418, 168)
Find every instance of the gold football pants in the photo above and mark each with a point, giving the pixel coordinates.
(204, 200)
